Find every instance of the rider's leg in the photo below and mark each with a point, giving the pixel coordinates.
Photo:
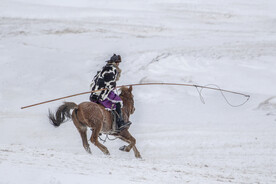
(120, 121)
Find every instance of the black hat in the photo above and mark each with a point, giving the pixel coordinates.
(115, 59)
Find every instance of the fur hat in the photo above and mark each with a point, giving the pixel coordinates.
(115, 59)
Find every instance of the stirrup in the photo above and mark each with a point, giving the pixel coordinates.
(125, 125)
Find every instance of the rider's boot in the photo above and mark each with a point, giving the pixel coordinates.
(119, 119)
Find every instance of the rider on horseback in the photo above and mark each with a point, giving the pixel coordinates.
(106, 79)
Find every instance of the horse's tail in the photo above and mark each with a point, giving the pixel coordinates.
(62, 113)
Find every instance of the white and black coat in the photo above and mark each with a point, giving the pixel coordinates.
(106, 78)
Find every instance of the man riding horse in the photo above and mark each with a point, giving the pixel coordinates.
(106, 79)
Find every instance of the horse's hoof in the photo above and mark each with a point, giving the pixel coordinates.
(88, 150)
(123, 148)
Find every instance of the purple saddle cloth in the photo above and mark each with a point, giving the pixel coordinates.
(110, 102)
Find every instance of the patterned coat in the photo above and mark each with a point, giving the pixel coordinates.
(106, 78)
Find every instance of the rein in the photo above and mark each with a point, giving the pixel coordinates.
(217, 88)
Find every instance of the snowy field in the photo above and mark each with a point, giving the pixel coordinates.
(53, 48)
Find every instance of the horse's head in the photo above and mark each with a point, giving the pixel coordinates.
(128, 100)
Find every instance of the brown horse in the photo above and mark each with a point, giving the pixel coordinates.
(99, 120)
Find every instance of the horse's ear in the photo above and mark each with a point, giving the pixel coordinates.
(130, 88)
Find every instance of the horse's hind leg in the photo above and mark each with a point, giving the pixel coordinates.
(82, 130)
(127, 137)
(84, 140)
(94, 140)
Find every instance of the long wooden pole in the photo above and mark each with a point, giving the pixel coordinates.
(142, 84)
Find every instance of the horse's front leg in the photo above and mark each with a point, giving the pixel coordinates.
(127, 137)
(136, 152)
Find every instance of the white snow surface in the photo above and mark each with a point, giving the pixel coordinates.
(53, 48)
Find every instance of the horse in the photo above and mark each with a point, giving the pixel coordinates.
(94, 116)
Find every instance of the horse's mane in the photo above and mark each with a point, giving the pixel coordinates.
(125, 93)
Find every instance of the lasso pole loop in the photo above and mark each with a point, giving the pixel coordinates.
(221, 91)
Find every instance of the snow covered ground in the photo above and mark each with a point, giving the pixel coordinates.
(53, 48)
